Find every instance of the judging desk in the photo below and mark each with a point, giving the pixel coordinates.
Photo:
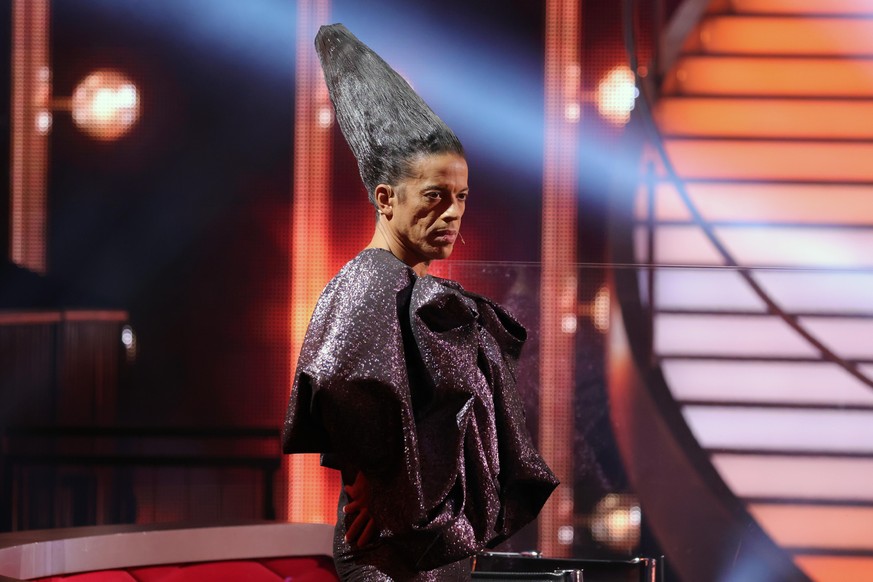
(255, 552)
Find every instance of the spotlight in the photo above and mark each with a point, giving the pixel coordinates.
(616, 94)
(106, 104)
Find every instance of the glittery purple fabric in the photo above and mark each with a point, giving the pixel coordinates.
(412, 381)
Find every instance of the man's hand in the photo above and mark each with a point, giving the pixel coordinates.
(363, 527)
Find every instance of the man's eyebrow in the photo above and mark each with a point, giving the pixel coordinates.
(440, 187)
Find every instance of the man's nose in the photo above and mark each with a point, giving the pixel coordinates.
(455, 209)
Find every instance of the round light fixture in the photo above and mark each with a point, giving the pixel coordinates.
(106, 105)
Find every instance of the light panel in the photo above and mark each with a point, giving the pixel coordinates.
(559, 276)
(728, 336)
(795, 291)
(708, 290)
(845, 528)
(766, 429)
(814, 478)
(31, 91)
(803, 6)
(313, 490)
(758, 35)
(765, 382)
(766, 118)
(754, 76)
(851, 339)
(772, 160)
(761, 202)
(801, 291)
(761, 247)
(835, 568)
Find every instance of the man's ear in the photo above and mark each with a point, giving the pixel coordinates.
(385, 199)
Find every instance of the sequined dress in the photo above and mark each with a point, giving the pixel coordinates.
(412, 381)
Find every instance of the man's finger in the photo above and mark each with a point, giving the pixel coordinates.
(353, 506)
(357, 526)
(368, 533)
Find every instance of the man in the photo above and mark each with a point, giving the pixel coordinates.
(406, 382)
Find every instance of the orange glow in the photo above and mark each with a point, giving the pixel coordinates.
(31, 90)
(835, 568)
(312, 490)
(766, 118)
(776, 76)
(558, 307)
(817, 526)
(772, 160)
(802, 6)
(778, 203)
(786, 36)
(106, 105)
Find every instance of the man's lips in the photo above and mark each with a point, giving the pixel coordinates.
(445, 236)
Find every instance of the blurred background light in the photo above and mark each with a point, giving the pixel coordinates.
(128, 339)
(616, 95)
(615, 522)
(106, 105)
(565, 535)
(597, 309)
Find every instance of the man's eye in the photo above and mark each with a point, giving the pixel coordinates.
(462, 196)
(433, 195)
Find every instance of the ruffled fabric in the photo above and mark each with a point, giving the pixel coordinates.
(412, 381)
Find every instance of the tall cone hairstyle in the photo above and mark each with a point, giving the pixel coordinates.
(386, 124)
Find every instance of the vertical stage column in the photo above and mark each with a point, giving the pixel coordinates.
(311, 492)
(31, 120)
(558, 300)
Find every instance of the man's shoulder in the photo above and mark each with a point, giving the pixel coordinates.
(371, 280)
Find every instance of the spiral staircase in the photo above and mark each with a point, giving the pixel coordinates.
(763, 338)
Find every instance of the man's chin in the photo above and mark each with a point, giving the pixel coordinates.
(442, 252)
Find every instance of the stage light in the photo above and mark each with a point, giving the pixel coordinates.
(573, 112)
(128, 339)
(106, 105)
(565, 535)
(616, 95)
(325, 117)
(615, 522)
(597, 310)
(600, 310)
(44, 122)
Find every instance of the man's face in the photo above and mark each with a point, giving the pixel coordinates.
(428, 206)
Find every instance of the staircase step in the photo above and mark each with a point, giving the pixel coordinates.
(819, 478)
(802, 248)
(847, 7)
(772, 160)
(754, 202)
(836, 528)
(845, 433)
(771, 76)
(834, 568)
(784, 383)
(762, 35)
(786, 118)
